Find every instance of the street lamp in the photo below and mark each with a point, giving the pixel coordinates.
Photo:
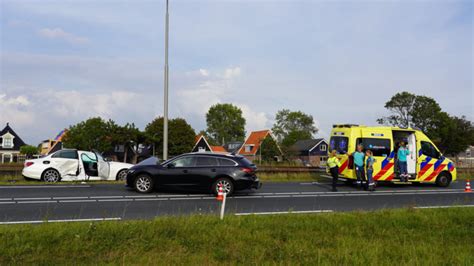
(165, 113)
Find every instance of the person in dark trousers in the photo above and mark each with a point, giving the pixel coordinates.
(370, 170)
(402, 154)
(359, 158)
(333, 165)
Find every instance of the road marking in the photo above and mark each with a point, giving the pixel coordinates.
(64, 221)
(52, 186)
(444, 207)
(76, 201)
(31, 198)
(105, 197)
(287, 212)
(113, 200)
(8, 202)
(41, 201)
(67, 198)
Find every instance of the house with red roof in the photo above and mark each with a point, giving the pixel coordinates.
(252, 148)
(202, 145)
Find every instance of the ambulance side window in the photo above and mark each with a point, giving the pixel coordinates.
(379, 147)
(429, 150)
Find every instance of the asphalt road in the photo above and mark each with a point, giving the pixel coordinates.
(37, 204)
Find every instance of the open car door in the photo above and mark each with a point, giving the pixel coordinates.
(103, 167)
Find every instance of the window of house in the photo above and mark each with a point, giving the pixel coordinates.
(248, 148)
(323, 147)
(7, 142)
(429, 150)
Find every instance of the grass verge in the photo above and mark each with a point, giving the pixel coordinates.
(403, 237)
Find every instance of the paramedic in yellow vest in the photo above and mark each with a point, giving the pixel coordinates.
(333, 164)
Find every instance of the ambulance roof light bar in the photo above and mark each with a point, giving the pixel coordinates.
(345, 125)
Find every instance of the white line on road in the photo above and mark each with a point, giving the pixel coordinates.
(63, 221)
(40, 201)
(55, 186)
(287, 212)
(443, 207)
(48, 198)
(76, 201)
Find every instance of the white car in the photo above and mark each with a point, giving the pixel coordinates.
(74, 165)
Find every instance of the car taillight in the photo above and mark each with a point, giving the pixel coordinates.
(29, 164)
(247, 170)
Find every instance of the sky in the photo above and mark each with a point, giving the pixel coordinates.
(63, 61)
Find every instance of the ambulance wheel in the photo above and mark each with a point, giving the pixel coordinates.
(443, 180)
(349, 182)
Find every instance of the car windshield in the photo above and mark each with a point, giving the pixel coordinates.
(150, 161)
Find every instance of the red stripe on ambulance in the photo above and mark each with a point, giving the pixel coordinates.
(383, 171)
(435, 172)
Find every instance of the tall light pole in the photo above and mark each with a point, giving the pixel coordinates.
(165, 112)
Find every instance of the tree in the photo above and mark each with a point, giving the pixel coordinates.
(451, 134)
(410, 110)
(225, 123)
(268, 149)
(181, 135)
(291, 126)
(92, 134)
(401, 107)
(29, 150)
(129, 136)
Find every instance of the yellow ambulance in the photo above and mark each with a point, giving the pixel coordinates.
(425, 163)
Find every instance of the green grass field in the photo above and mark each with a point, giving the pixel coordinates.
(401, 237)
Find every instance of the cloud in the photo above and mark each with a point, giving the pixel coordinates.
(42, 113)
(232, 72)
(217, 87)
(204, 72)
(58, 33)
(255, 120)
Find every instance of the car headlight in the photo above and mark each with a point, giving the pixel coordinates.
(131, 171)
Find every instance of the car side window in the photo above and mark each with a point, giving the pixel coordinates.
(206, 161)
(226, 162)
(66, 155)
(429, 150)
(184, 162)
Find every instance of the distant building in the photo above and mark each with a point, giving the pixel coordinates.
(201, 145)
(233, 146)
(313, 152)
(10, 144)
(52, 145)
(252, 145)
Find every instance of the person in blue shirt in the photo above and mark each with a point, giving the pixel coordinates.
(370, 170)
(402, 154)
(359, 158)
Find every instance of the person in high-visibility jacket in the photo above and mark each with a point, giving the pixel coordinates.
(333, 164)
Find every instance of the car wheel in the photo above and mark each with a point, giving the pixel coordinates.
(443, 180)
(51, 175)
(144, 184)
(226, 184)
(122, 175)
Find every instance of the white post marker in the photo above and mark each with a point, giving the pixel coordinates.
(223, 205)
